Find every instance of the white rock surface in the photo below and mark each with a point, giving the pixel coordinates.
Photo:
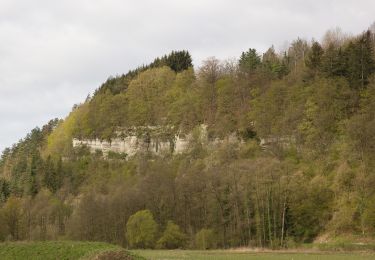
(132, 144)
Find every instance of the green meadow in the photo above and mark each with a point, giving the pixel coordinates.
(239, 255)
(67, 250)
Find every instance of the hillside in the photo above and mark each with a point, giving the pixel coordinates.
(278, 150)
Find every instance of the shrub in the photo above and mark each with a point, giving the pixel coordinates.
(117, 156)
(172, 237)
(205, 239)
(141, 230)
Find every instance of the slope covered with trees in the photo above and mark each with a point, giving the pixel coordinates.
(303, 165)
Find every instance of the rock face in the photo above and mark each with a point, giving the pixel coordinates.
(133, 144)
(151, 139)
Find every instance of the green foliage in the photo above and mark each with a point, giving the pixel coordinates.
(329, 103)
(268, 111)
(4, 190)
(183, 101)
(60, 140)
(273, 64)
(249, 60)
(360, 60)
(226, 122)
(34, 167)
(355, 61)
(172, 237)
(141, 230)
(97, 123)
(297, 54)
(333, 62)
(177, 60)
(205, 239)
(53, 174)
(360, 126)
(314, 59)
(12, 214)
(146, 95)
(116, 156)
(310, 217)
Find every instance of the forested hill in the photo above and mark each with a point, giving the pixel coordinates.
(301, 167)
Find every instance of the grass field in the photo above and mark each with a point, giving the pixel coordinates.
(68, 250)
(62, 250)
(237, 255)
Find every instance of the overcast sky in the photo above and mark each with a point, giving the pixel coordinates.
(53, 53)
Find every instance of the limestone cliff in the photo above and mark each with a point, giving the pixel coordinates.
(157, 140)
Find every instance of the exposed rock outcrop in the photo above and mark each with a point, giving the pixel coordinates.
(157, 140)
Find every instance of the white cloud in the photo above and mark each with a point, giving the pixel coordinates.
(53, 53)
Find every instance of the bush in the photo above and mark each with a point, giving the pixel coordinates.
(117, 156)
(172, 237)
(205, 239)
(141, 230)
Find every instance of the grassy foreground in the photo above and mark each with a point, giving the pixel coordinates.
(67, 250)
(243, 255)
(102, 251)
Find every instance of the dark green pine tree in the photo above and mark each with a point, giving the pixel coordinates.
(32, 183)
(179, 60)
(59, 174)
(53, 174)
(314, 58)
(360, 61)
(19, 176)
(4, 190)
(49, 179)
(284, 67)
(333, 63)
(249, 60)
(273, 65)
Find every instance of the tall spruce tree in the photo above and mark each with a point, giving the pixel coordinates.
(32, 184)
(272, 64)
(179, 60)
(315, 55)
(333, 62)
(250, 60)
(49, 179)
(360, 60)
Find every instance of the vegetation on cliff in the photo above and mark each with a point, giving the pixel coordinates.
(312, 105)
